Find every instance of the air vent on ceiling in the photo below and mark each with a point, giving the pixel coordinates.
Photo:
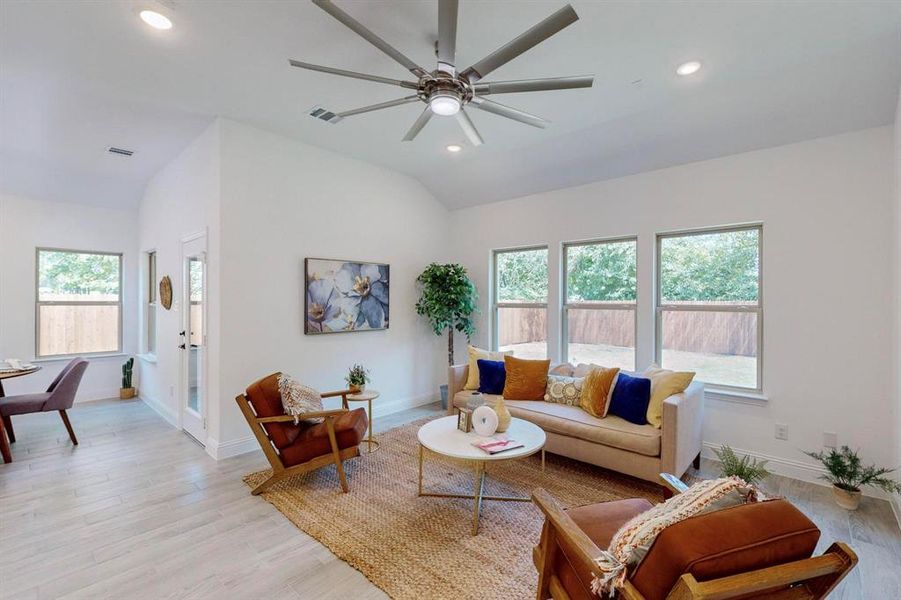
(324, 114)
(122, 151)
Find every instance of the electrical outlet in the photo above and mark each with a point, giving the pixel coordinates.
(830, 439)
(781, 431)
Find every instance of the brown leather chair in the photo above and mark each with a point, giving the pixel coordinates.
(760, 550)
(292, 448)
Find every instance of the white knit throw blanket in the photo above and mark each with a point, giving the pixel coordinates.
(642, 529)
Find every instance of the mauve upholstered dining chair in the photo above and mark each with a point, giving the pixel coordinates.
(59, 397)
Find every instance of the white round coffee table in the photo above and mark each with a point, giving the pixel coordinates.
(441, 436)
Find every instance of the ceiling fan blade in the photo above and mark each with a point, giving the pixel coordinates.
(447, 35)
(419, 124)
(469, 129)
(379, 106)
(533, 85)
(407, 84)
(369, 36)
(535, 35)
(510, 113)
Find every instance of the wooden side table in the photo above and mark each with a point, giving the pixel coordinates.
(367, 396)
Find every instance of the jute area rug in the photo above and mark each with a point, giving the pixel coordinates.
(421, 548)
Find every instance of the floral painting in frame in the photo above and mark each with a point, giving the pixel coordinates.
(343, 296)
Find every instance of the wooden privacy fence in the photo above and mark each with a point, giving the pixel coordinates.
(68, 329)
(730, 333)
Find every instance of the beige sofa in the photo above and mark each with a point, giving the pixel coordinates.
(642, 451)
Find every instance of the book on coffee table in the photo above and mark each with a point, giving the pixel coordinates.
(497, 446)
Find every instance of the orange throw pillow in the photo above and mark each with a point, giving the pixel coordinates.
(526, 379)
(596, 389)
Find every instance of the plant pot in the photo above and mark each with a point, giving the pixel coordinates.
(443, 390)
(846, 499)
(357, 389)
(126, 393)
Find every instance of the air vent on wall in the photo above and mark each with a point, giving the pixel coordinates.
(122, 151)
(324, 114)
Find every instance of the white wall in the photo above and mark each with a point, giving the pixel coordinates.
(897, 302)
(182, 199)
(826, 207)
(283, 201)
(27, 223)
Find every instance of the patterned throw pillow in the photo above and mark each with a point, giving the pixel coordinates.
(298, 399)
(563, 390)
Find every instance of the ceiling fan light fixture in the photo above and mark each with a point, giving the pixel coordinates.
(155, 19)
(445, 104)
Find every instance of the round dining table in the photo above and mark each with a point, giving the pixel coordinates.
(4, 441)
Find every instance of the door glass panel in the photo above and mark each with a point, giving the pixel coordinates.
(195, 333)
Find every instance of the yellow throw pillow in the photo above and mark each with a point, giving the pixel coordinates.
(596, 390)
(664, 383)
(526, 379)
(475, 354)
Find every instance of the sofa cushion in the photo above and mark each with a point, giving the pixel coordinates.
(725, 542)
(313, 440)
(599, 522)
(526, 379)
(597, 391)
(472, 377)
(630, 398)
(574, 422)
(491, 376)
(664, 383)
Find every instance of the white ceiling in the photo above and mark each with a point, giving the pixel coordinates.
(76, 77)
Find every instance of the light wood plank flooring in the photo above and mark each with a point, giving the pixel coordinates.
(139, 510)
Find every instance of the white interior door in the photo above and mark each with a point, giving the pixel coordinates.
(193, 342)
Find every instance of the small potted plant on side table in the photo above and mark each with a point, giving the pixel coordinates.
(357, 378)
(127, 391)
(846, 474)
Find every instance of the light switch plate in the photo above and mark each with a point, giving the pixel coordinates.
(781, 431)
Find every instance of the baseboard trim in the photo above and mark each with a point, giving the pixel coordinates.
(161, 409)
(94, 395)
(383, 409)
(793, 469)
(231, 448)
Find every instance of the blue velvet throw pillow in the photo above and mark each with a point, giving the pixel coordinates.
(630, 399)
(492, 376)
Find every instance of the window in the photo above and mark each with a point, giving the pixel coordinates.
(150, 309)
(599, 296)
(79, 302)
(709, 313)
(520, 302)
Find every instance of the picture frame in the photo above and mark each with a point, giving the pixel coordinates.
(345, 296)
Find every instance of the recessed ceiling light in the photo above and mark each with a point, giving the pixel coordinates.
(688, 68)
(155, 19)
(454, 148)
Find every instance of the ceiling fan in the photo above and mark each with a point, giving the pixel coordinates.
(445, 91)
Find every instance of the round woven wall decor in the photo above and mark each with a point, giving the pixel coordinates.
(166, 292)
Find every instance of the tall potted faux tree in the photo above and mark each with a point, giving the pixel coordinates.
(448, 300)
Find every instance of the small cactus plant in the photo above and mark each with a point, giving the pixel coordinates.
(127, 372)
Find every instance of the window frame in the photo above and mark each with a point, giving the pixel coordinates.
(38, 303)
(660, 307)
(495, 305)
(566, 305)
(151, 302)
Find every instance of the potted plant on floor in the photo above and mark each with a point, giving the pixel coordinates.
(750, 470)
(357, 378)
(448, 300)
(127, 391)
(847, 475)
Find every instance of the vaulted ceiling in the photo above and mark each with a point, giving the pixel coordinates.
(77, 77)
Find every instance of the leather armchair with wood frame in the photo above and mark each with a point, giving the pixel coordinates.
(296, 448)
(759, 550)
